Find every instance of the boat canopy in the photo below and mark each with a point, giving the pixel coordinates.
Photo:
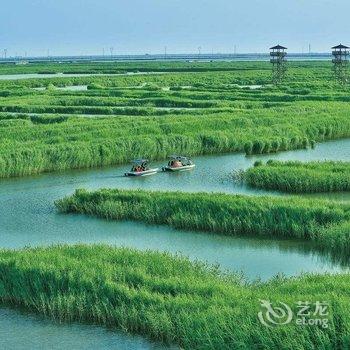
(175, 157)
(139, 161)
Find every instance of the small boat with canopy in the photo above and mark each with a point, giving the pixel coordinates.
(140, 167)
(179, 163)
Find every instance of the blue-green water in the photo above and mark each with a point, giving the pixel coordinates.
(28, 218)
(28, 215)
(28, 332)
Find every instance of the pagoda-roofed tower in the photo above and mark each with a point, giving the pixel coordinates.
(279, 62)
(340, 62)
(340, 51)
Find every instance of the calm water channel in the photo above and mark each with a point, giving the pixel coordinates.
(28, 218)
(29, 332)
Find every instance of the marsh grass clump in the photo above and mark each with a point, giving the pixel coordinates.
(51, 119)
(169, 298)
(299, 177)
(236, 215)
(194, 109)
(59, 142)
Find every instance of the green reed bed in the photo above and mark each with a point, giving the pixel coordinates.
(298, 177)
(169, 298)
(321, 221)
(191, 78)
(125, 66)
(313, 74)
(205, 110)
(30, 147)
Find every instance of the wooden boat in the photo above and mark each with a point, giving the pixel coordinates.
(141, 167)
(179, 163)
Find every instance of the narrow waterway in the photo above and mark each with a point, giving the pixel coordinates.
(22, 331)
(28, 218)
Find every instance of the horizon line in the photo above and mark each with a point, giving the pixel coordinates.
(193, 55)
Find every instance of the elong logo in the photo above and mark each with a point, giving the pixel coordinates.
(275, 315)
(308, 314)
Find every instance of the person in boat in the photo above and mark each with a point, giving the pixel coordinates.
(177, 164)
(136, 168)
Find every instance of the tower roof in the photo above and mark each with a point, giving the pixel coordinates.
(278, 47)
(340, 46)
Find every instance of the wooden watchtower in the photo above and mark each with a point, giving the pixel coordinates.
(340, 63)
(279, 63)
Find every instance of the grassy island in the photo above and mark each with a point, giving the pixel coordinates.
(169, 298)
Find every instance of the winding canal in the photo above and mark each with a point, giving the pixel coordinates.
(28, 218)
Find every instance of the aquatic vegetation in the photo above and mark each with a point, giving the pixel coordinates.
(186, 108)
(193, 109)
(125, 66)
(280, 217)
(169, 298)
(77, 142)
(300, 177)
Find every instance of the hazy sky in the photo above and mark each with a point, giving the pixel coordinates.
(146, 26)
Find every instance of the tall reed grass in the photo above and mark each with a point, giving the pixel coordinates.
(280, 217)
(77, 142)
(196, 109)
(169, 298)
(298, 177)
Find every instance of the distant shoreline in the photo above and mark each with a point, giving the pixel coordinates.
(170, 57)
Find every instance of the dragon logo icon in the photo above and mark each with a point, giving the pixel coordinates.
(275, 315)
